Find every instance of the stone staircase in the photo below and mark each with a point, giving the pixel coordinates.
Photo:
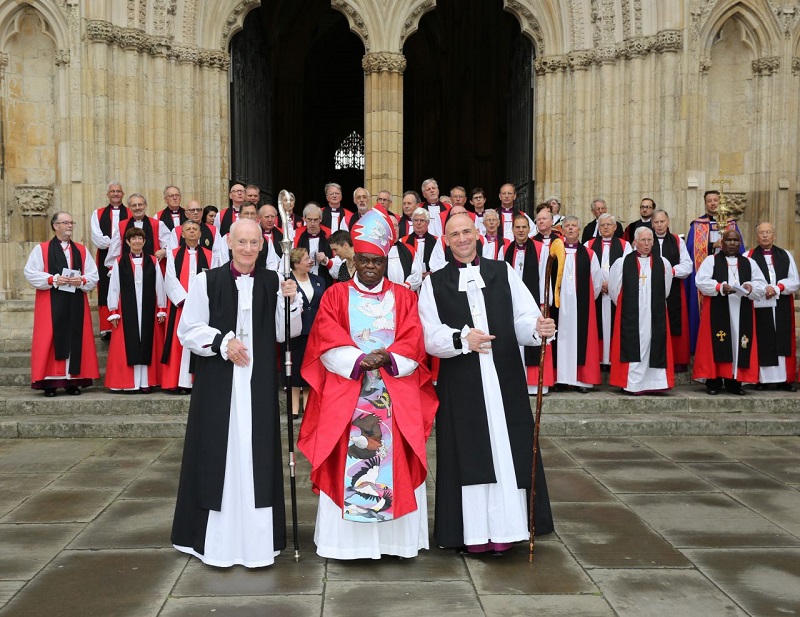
(686, 410)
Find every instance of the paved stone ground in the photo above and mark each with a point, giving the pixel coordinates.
(644, 526)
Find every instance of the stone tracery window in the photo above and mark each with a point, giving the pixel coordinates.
(350, 154)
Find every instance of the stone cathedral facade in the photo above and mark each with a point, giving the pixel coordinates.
(632, 98)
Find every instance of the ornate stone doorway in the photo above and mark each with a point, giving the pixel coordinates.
(297, 94)
(468, 100)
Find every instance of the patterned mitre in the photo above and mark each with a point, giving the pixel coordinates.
(373, 233)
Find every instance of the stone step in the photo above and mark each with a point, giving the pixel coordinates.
(575, 425)
(22, 358)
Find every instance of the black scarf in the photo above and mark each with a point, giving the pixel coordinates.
(721, 317)
(138, 349)
(277, 236)
(149, 240)
(614, 252)
(202, 264)
(405, 226)
(672, 251)
(629, 324)
(406, 259)
(66, 309)
(206, 236)
(530, 277)
(430, 243)
(584, 295)
(105, 221)
(323, 247)
(226, 221)
(774, 337)
(166, 217)
(327, 217)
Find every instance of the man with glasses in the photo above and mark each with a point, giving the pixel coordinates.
(63, 354)
(152, 227)
(229, 215)
(105, 223)
(334, 217)
(173, 215)
(272, 251)
(422, 241)
(646, 209)
(314, 238)
(385, 199)
(209, 235)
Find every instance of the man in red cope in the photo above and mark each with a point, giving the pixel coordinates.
(183, 265)
(370, 410)
(63, 354)
(639, 283)
(104, 225)
(727, 346)
(137, 303)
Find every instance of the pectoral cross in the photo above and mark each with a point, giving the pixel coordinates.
(721, 335)
(643, 278)
(242, 333)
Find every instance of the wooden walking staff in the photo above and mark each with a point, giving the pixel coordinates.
(556, 252)
(286, 201)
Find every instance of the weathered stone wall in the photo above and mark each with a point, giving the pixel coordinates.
(634, 98)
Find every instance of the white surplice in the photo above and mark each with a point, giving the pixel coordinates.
(394, 271)
(239, 533)
(641, 376)
(495, 512)
(177, 294)
(708, 287)
(567, 357)
(605, 305)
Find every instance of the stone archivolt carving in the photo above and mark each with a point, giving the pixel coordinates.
(700, 10)
(32, 199)
(414, 19)
(3, 61)
(383, 61)
(763, 67)
(788, 16)
(141, 42)
(354, 18)
(516, 7)
(795, 66)
(240, 8)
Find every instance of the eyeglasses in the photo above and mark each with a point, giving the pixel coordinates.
(237, 191)
(64, 222)
(194, 209)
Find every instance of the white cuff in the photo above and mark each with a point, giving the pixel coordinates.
(223, 345)
(464, 344)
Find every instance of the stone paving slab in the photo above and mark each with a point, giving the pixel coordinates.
(670, 548)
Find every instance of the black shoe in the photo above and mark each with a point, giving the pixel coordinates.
(738, 392)
(105, 336)
(712, 391)
(73, 390)
(787, 387)
(760, 386)
(49, 392)
(560, 387)
(145, 390)
(583, 390)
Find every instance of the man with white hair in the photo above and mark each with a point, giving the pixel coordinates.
(608, 248)
(592, 230)
(334, 217)
(172, 216)
(434, 206)
(314, 238)
(362, 199)
(555, 208)
(421, 239)
(641, 360)
(494, 244)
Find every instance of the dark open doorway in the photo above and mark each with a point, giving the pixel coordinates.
(468, 100)
(297, 92)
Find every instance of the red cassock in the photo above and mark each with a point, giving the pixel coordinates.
(43, 360)
(680, 342)
(171, 370)
(704, 365)
(119, 376)
(323, 434)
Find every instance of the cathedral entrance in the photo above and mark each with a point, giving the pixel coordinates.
(297, 101)
(468, 101)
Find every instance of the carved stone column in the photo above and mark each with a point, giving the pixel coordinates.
(383, 122)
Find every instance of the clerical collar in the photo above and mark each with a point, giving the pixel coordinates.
(640, 256)
(65, 244)
(570, 245)
(606, 240)
(237, 274)
(766, 251)
(312, 236)
(661, 237)
(520, 247)
(474, 262)
(419, 237)
(491, 238)
(507, 210)
(135, 256)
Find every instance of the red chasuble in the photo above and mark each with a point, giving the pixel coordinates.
(323, 435)
(43, 359)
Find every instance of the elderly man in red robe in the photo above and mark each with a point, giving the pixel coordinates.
(63, 354)
(370, 410)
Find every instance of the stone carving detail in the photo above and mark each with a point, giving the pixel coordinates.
(516, 7)
(700, 9)
(581, 60)
(795, 66)
(141, 42)
(638, 47)
(626, 19)
(637, 13)
(763, 67)
(603, 20)
(705, 66)
(131, 13)
(788, 16)
(240, 8)
(3, 61)
(383, 61)
(62, 57)
(142, 13)
(32, 199)
(736, 201)
(669, 40)
(608, 54)
(797, 207)
(355, 19)
(413, 19)
(189, 17)
(552, 64)
(578, 41)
